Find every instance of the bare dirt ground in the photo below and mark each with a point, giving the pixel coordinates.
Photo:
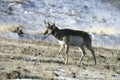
(40, 60)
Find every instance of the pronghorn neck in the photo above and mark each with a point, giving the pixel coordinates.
(57, 33)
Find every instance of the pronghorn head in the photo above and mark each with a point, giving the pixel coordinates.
(50, 28)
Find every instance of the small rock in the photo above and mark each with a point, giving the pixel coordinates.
(118, 58)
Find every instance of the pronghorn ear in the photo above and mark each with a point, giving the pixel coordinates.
(52, 23)
(47, 23)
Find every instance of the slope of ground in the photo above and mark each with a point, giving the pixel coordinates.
(40, 60)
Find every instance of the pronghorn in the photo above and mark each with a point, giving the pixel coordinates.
(68, 37)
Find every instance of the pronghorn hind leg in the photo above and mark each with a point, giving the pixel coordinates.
(83, 54)
(92, 51)
(62, 57)
(61, 47)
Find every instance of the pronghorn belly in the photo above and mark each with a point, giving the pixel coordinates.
(61, 42)
(75, 40)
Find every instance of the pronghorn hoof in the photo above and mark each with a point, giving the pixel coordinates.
(66, 62)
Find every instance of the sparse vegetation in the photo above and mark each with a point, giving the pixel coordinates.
(28, 60)
(103, 31)
(18, 1)
(12, 28)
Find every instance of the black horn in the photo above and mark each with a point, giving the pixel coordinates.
(45, 22)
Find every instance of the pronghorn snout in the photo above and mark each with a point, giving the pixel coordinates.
(48, 32)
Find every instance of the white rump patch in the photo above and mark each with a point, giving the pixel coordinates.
(76, 40)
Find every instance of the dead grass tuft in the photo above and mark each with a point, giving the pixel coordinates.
(11, 28)
(11, 75)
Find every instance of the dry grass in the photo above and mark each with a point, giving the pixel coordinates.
(18, 56)
(103, 31)
(18, 1)
(12, 28)
(4, 28)
(17, 29)
(31, 32)
(9, 28)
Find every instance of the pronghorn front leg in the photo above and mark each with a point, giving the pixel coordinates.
(61, 47)
(66, 51)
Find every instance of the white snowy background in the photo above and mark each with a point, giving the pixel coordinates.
(101, 18)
